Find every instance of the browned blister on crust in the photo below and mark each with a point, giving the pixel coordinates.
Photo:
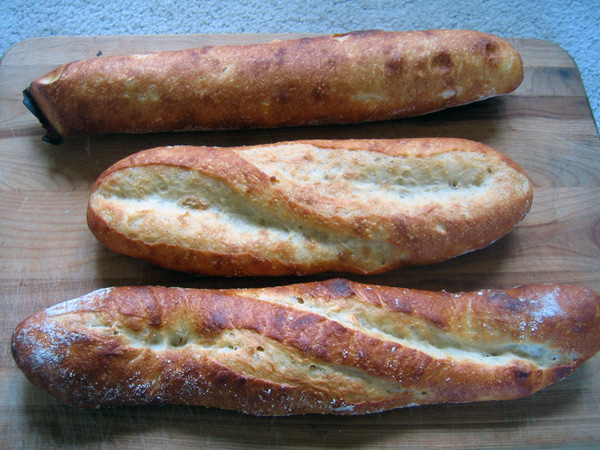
(354, 77)
(305, 207)
(325, 347)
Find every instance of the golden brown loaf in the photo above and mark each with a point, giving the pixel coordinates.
(304, 207)
(353, 77)
(326, 347)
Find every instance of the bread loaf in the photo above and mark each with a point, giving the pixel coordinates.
(353, 77)
(304, 207)
(324, 347)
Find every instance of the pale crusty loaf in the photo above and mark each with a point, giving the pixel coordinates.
(325, 347)
(304, 207)
(354, 77)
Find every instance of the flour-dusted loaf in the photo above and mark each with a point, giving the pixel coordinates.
(324, 347)
(344, 78)
(305, 207)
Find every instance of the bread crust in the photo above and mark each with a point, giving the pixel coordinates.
(345, 78)
(306, 207)
(335, 346)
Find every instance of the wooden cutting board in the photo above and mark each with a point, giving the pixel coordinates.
(47, 255)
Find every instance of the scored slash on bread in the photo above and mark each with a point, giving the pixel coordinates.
(304, 207)
(335, 346)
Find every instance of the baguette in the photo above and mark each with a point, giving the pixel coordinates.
(334, 347)
(306, 207)
(353, 77)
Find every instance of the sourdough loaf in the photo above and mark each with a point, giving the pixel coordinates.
(304, 207)
(324, 347)
(353, 77)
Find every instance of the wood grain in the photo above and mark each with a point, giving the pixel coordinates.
(48, 255)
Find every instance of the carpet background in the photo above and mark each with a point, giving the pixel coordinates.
(574, 24)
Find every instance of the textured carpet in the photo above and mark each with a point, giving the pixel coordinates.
(573, 25)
